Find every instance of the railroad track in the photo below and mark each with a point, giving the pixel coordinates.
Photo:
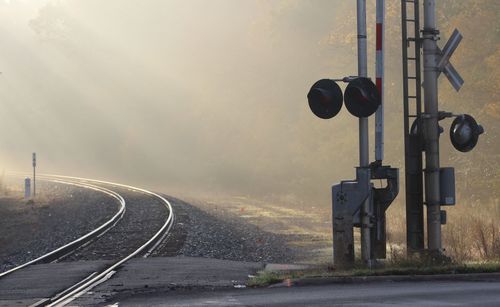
(129, 233)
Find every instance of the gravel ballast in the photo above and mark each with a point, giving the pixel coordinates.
(60, 214)
(144, 216)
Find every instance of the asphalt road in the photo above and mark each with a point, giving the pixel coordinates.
(436, 293)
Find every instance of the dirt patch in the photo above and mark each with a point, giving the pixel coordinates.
(247, 230)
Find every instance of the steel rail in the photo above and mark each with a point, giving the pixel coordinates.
(73, 245)
(90, 282)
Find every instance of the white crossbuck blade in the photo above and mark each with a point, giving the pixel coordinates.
(444, 64)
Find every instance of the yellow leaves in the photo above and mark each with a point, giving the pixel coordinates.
(493, 62)
(492, 109)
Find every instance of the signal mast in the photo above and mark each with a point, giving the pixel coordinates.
(422, 136)
(357, 203)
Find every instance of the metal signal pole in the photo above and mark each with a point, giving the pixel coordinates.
(364, 159)
(431, 56)
(413, 138)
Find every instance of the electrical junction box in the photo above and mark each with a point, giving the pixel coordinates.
(443, 217)
(447, 186)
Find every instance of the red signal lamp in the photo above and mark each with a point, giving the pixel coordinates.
(325, 98)
(362, 98)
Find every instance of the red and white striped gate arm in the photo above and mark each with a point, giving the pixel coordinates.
(379, 77)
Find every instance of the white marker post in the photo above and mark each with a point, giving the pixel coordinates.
(34, 174)
(27, 188)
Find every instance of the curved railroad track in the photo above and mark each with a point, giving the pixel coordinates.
(142, 222)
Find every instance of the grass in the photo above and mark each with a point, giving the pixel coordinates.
(472, 232)
(265, 278)
(488, 267)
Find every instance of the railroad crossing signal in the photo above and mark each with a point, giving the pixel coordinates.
(357, 203)
(464, 133)
(423, 136)
(361, 97)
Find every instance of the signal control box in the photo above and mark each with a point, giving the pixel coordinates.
(447, 186)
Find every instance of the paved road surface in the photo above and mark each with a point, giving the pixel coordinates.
(41, 281)
(369, 294)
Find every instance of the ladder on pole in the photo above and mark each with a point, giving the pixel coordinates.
(413, 134)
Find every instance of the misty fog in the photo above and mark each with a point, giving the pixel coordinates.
(205, 97)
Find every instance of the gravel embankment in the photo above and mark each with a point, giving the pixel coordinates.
(221, 235)
(60, 214)
(64, 213)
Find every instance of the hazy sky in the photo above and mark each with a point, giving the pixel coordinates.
(183, 95)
